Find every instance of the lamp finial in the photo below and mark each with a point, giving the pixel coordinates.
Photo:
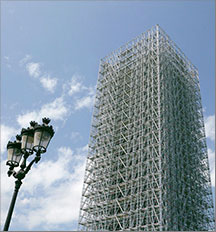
(46, 121)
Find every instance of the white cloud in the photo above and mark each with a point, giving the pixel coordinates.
(25, 60)
(210, 134)
(56, 110)
(74, 85)
(211, 158)
(7, 61)
(34, 69)
(83, 96)
(52, 192)
(49, 83)
(6, 134)
(85, 102)
(210, 127)
(50, 171)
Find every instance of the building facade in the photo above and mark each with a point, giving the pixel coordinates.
(147, 166)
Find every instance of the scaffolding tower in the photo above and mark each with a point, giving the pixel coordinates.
(147, 166)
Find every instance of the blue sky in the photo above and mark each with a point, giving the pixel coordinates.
(50, 54)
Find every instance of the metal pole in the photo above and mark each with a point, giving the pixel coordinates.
(16, 190)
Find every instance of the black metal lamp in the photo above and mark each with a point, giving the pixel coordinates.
(34, 138)
(42, 136)
(28, 138)
(14, 152)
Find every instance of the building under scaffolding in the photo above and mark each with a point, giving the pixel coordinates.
(147, 166)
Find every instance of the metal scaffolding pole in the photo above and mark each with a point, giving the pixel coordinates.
(147, 166)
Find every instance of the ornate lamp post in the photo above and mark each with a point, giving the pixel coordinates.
(36, 139)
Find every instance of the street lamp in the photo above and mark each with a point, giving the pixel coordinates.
(36, 139)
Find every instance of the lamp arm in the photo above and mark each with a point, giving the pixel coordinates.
(23, 165)
(36, 160)
(29, 166)
(24, 170)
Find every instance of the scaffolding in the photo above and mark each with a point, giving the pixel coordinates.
(147, 165)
